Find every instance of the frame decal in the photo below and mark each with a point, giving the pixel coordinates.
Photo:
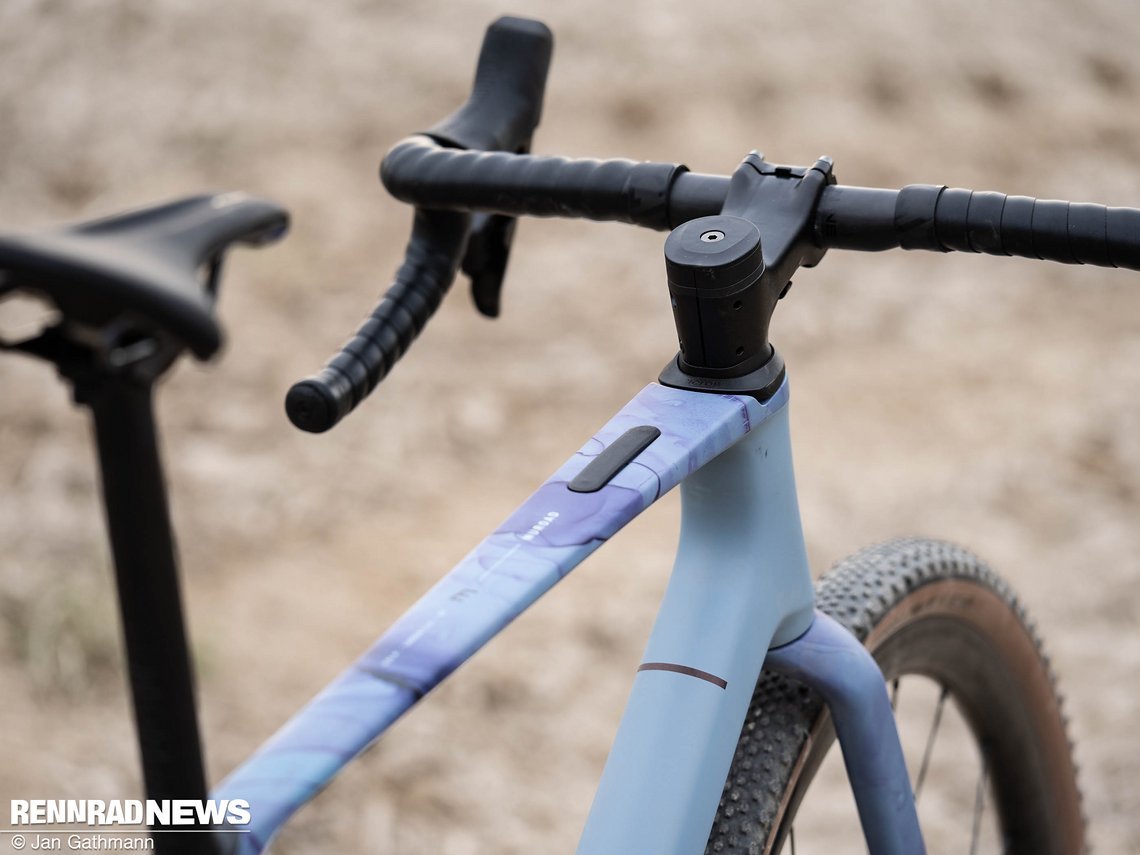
(686, 670)
(543, 540)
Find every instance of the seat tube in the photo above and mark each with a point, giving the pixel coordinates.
(739, 585)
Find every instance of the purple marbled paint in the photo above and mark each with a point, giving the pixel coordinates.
(542, 541)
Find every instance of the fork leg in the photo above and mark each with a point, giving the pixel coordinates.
(831, 660)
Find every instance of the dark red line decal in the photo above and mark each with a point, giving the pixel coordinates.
(686, 670)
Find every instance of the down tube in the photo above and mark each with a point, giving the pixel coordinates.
(740, 583)
(542, 541)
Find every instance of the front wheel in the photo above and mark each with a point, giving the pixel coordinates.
(929, 612)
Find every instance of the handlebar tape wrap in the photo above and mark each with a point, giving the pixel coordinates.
(501, 114)
(317, 403)
(624, 190)
(937, 218)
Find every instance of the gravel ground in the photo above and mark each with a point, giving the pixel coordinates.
(983, 400)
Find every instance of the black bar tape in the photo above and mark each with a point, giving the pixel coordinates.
(936, 218)
(317, 403)
(422, 173)
(1124, 237)
(983, 222)
(1088, 233)
(1051, 231)
(951, 221)
(1017, 226)
(914, 216)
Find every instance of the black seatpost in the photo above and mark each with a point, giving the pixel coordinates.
(114, 374)
(150, 604)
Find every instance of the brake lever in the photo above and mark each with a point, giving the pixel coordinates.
(485, 260)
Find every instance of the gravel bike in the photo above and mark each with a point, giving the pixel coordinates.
(751, 673)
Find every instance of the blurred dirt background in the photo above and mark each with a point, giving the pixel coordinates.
(983, 400)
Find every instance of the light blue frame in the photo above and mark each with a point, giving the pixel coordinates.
(740, 586)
